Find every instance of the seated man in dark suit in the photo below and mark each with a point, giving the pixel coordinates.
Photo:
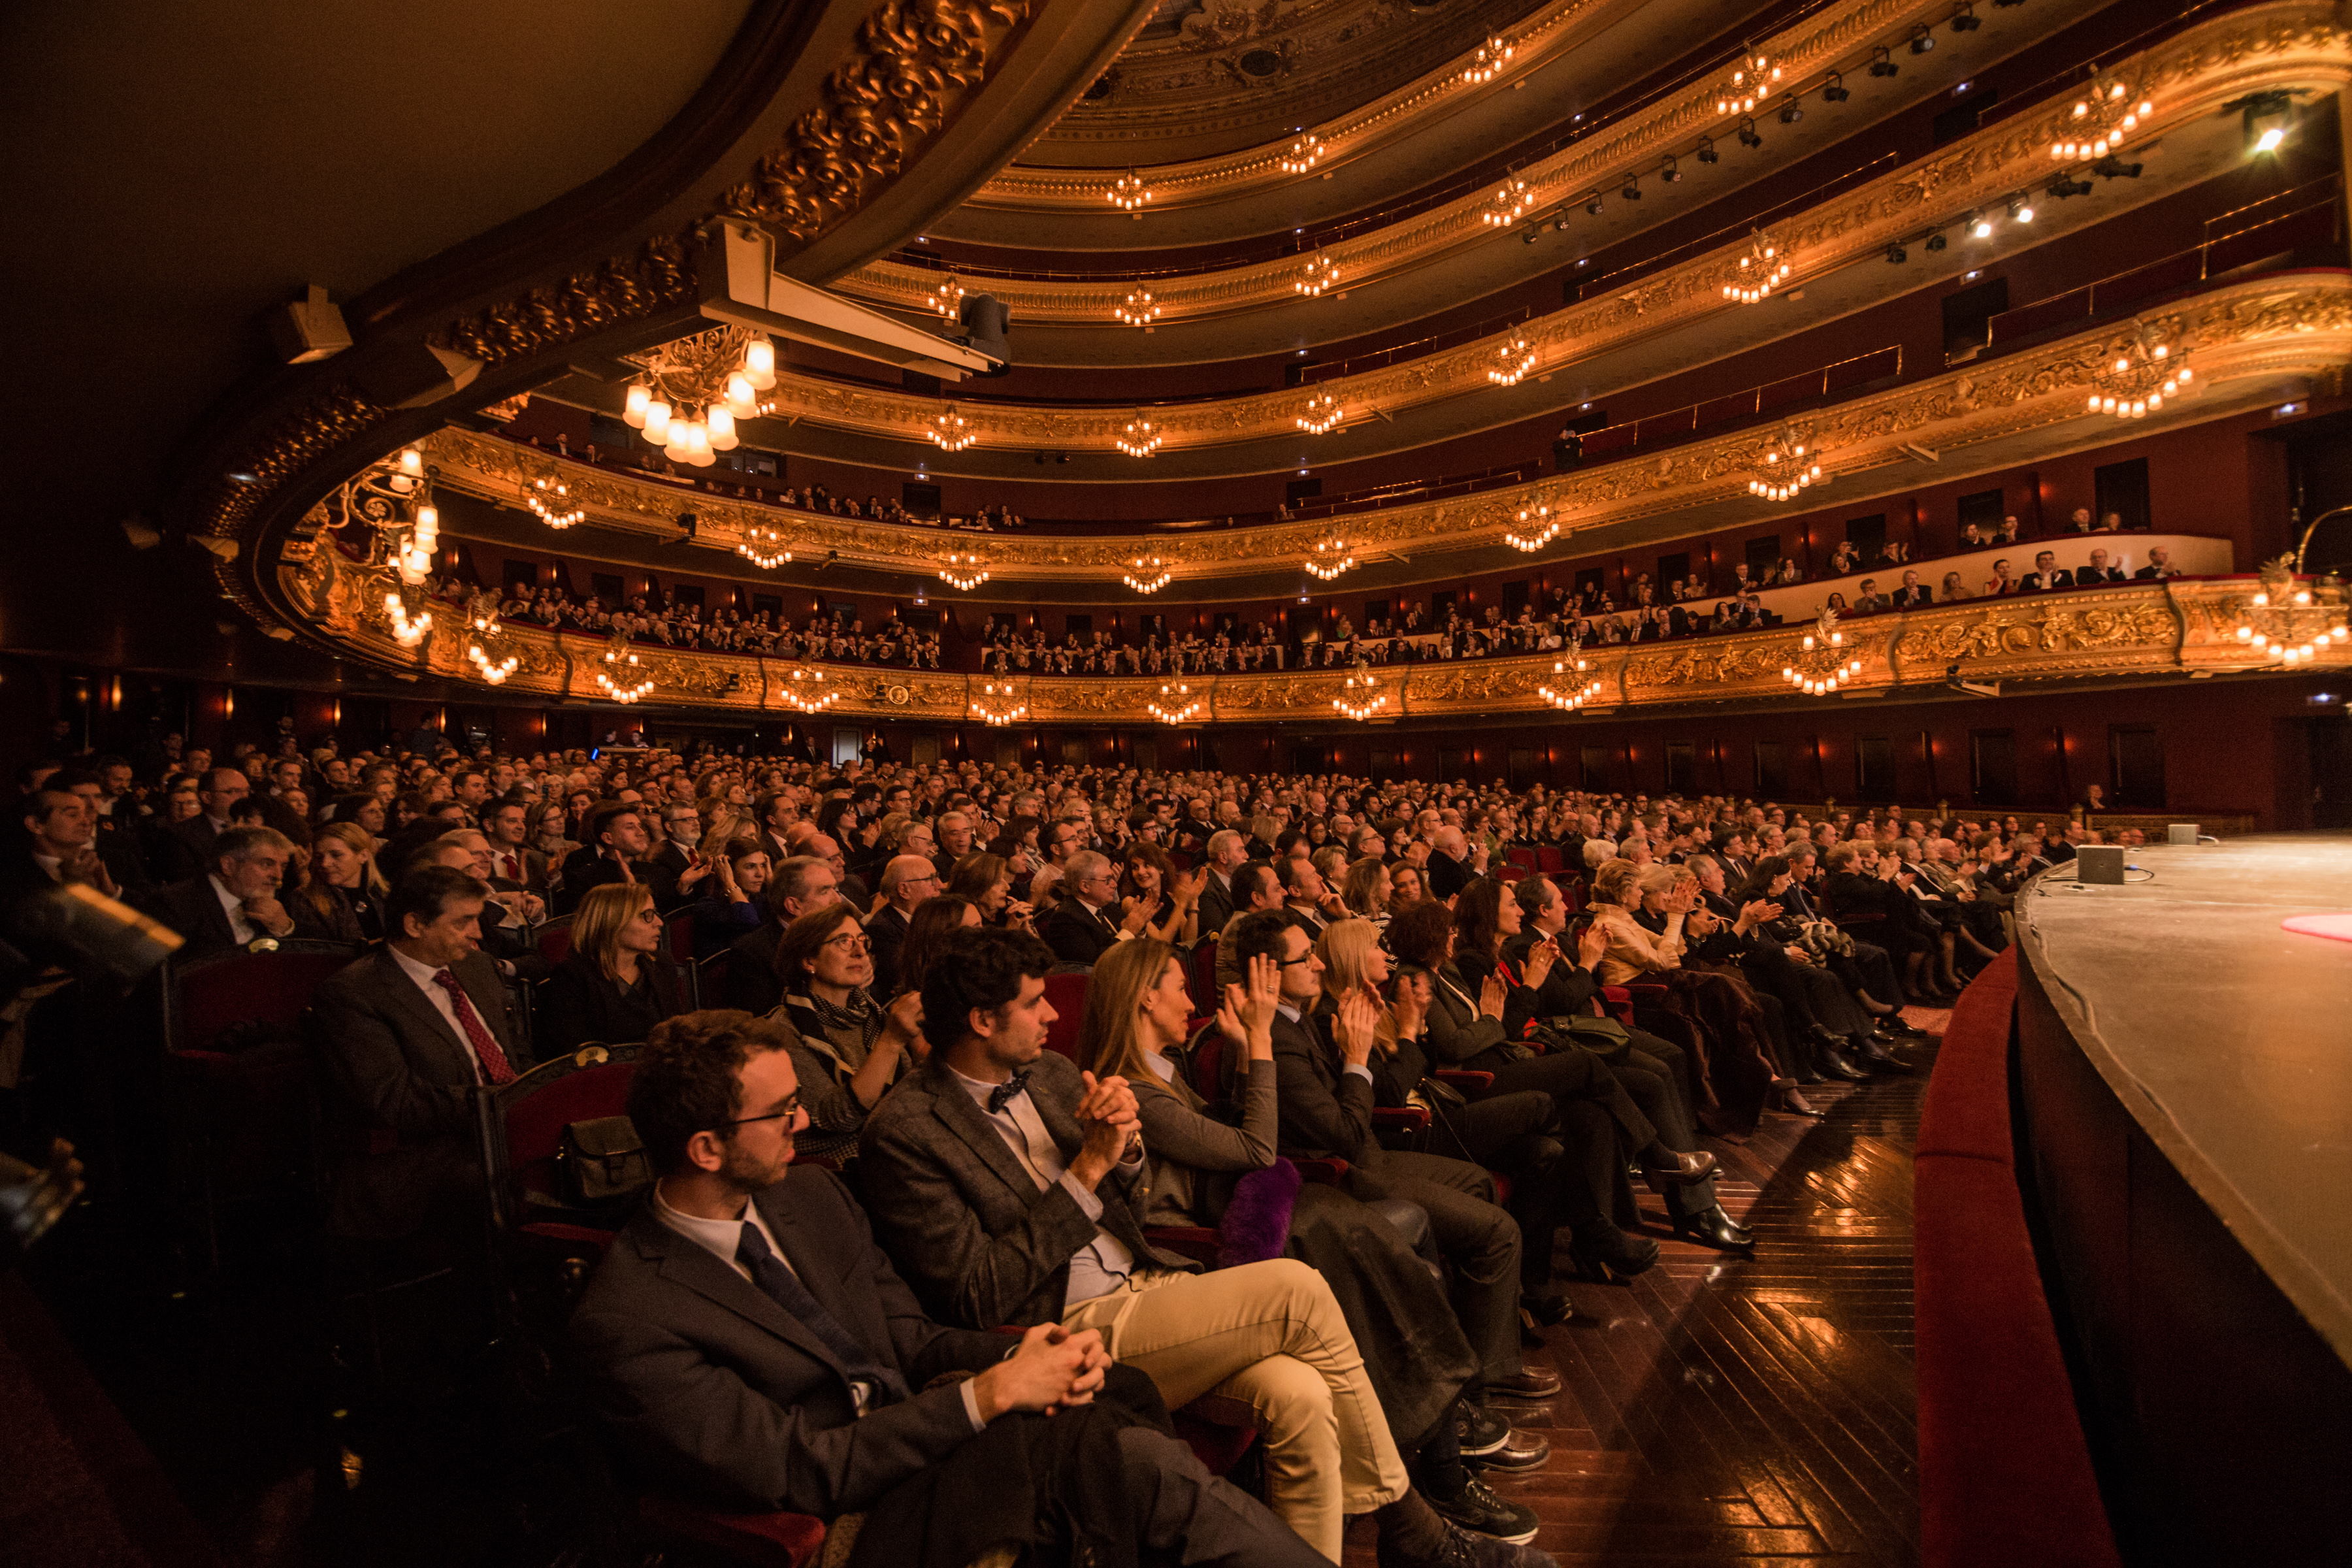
(1088, 920)
(614, 838)
(907, 882)
(1005, 1182)
(233, 903)
(2099, 571)
(795, 886)
(2047, 576)
(750, 1344)
(1325, 1092)
(403, 1036)
(1912, 593)
(2160, 564)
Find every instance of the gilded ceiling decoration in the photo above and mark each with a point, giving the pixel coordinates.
(2297, 41)
(2292, 325)
(1227, 74)
(2174, 628)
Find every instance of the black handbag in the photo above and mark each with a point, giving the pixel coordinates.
(601, 1163)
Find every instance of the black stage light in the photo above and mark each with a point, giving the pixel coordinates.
(1966, 22)
(1706, 152)
(1671, 170)
(2113, 168)
(1596, 206)
(1896, 255)
(1922, 41)
(1835, 92)
(1632, 189)
(1936, 241)
(1791, 111)
(1747, 136)
(1882, 65)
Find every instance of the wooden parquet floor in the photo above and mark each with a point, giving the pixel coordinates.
(1722, 1410)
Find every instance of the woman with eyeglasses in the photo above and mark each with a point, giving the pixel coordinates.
(611, 987)
(852, 1048)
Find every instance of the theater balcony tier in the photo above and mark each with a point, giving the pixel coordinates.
(1433, 258)
(2175, 628)
(2275, 339)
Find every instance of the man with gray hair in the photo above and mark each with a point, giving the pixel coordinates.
(1089, 919)
(232, 903)
(1226, 854)
(797, 885)
(907, 882)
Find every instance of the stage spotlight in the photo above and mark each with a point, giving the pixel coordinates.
(1747, 136)
(2113, 168)
(1980, 226)
(1632, 189)
(1671, 172)
(1966, 22)
(2269, 118)
(1791, 111)
(2020, 210)
(1595, 205)
(1895, 255)
(1922, 41)
(1936, 241)
(1835, 92)
(1706, 152)
(1882, 65)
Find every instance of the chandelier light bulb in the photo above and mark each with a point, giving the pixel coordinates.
(962, 570)
(949, 432)
(742, 397)
(987, 709)
(1175, 704)
(763, 547)
(1129, 192)
(1304, 154)
(1515, 358)
(1510, 202)
(1147, 573)
(807, 690)
(1322, 414)
(1320, 273)
(947, 297)
(759, 364)
(633, 409)
(1488, 60)
(720, 421)
(1140, 438)
(656, 422)
(412, 461)
(548, 499)
(1331, 558)
(1139, 309)
(1535, 528)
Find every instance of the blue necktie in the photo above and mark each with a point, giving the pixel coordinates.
(785, 1287)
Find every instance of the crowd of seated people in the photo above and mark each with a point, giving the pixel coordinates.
(1484, 1059)
(814, 497)
(674, 623)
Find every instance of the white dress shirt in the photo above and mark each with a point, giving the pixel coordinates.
(239, 927)
(442, 1003)
(1104, 1264)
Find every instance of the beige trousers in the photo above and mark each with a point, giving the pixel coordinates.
(1271, 1335)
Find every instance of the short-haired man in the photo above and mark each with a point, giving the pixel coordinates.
(402, 1037)
(2047, 576)
(797, 885)
(514, 864)
(2160, 564)
(953, 831)
(189, 842)
(1004, 1180)
(1088, 920)
(615, 840)
(1227, 853)
(234, 904)
(744, 1337)
(907, 882)
(60, 846)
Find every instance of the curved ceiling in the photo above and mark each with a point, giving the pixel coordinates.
(1205, 76)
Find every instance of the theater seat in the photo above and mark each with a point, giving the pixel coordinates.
(1204, 974)
(555, 939)
(1068, 995)
(753, 1539)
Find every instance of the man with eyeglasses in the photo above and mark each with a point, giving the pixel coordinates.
(796, 885)
(744, 1334)
(907, 882)
(1091, 919)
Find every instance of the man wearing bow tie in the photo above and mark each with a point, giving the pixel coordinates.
(1005, 1182)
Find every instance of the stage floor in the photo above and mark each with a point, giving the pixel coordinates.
(2228, 1038)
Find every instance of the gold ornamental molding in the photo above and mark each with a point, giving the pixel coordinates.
(2257, 334)
(2189, 77)
(2179, 628)
(1536, 41)
(1599, 162)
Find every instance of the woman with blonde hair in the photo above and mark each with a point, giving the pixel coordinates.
(611, 987)
(342, 895)
(1364, 889)
(1415, 1355)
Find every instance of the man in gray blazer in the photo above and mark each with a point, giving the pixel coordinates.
(1005, 1184)
(750, 1344)
(404, 1036)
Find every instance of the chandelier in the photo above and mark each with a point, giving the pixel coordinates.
(1332, 557)
(1571, 695)
(948, 432)
(2135, 383)
(1322, 414)
(1361, 697)
(1821, 664)
(694, 390)
(619, 674)
(495, 672)
(1510, 203)
(1176, 705)
(1148, 573)
(1748, 87)
(412, 553)
(1320, 273)
(405, 631)
(1139, 309)
(2280, 622)
(947, 297)
(2101, 119)
(1785, 468)
(1514, 358)
(807, 690)
(1304, 154)
(1765, 267)
(962, 570)
(1140, 437)
(1129, 192)
(987, 710)
(482, 620)
(393, 497)
(763, 547)
(1541, 530)
(548, 500)
(1487, 60)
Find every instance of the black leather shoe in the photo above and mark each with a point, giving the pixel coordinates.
(1835, 1066)
(1479, 1510)
(1527, 1383)
(1525, 1451)
(1713, 1228)
(1686, 1170)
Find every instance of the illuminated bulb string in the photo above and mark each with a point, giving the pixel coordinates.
(1822, 664)
(1320, 273)
(1362, 697)
(986, 710)
(495, 672)
(1331, 558)
(1141, 439)
(2284, 625)
(807, 691)
(763, 547)
(1321, 414)
(1175, 705)
(1147, 573)
(1129, 192)
(1750, 85)
(1535, 528)
(1511, 202)
(548, 500)
(1515, 358)
(405, 631)
(1304, 154)
(1488, 61)
(1765, 267)
(2138, 381)
(1570, 694)
(2099, 122)
(1785, 469)
(950, 433)
(962, 570)
(620, 676)
(1139, 309)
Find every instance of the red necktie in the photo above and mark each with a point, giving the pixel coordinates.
(514, 868)
(485, 1046)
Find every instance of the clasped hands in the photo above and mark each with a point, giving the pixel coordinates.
(1110, 1124)
(1051, 1368)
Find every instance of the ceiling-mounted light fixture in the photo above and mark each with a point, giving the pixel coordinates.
(1140, 438)
(1536, 528)
(763, 547)
(2268, 119)
(1922, 41)
(1895, 255)
(962, 570)
(1632, 189)
(1322, 414)
(1509, 203)
(1784, 466)
(551, 502)
(1750, 81)
(1139, 309)
(1330, 558)
(1765, 267)
(1148, 573)
(1835, 91)
(949, 431)
(1304, 154)
(1319, 273)
(807, 690)
(1175, 704)
(1488, 59)
(2020, 210)
(1966, 21)
(1594, 205)
(1361, 697)
(694, 390)
(1706, 152)
(1129, 192)
(1882, 63)
(1514, 357)
(1669, 172)
(1748, 134)
(996, 704)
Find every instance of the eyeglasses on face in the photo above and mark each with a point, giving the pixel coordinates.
(792, 1108)
(850, 942)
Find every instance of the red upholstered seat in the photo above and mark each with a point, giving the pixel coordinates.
(1066, 994)
(754, 1540)
(1204, 975)
(555, 939)
(1548, 859)
(1522, 858)
(680, 930)
(246, 990)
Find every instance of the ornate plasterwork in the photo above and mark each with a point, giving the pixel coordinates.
(2188, 76)
(2139, 630)
(1026, 188)
(915, 63)
(2287, 324)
